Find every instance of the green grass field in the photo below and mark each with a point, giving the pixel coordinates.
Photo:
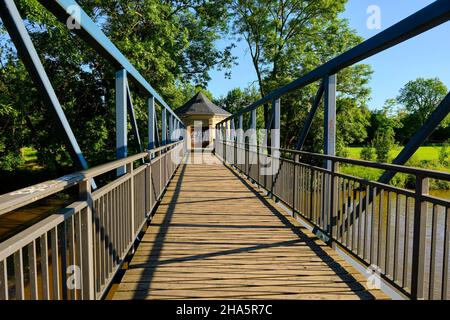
(426, 158)
(424, 153)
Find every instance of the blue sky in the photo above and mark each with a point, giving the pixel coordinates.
(427, 55)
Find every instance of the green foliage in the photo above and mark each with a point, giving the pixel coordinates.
(418, 99)
(287, 39)
(237, 99)
(444, 153)
(383, 143)
(367, 153)
(171, 43)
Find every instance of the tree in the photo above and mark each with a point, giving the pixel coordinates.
(418, 99)
(171, 43)
(386, 121)
(237, 99)
(287, 39)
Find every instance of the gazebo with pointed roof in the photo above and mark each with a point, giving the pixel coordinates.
(200, 109)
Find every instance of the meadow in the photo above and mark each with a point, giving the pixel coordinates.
(426, 157)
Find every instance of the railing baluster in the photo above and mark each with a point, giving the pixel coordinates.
(432, 275)
(445, 265)
(406, 244)
(387, 256)
(87, 242)
(419, 235)
(72, 249)
(18, 275)
(44, 267)
(396, 238)
(32, 263)
(380, 229)
(55, 264)
(4, 291)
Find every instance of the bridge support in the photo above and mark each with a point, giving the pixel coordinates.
(164, 127)
(151, 122)
(329, 148)
(240, 140)
(121, 118)
(170, 132)
(308, 123)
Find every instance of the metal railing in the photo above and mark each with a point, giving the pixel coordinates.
(76, 253)
(401, 234)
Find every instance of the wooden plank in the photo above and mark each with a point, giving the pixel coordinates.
(215, 237)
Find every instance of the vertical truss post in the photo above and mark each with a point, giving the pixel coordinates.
(253, 139)
(329, 147)
(121, 117)
(164, 127)
(240, 140)
(170, 132)
(275, 141)
(418, 265)
(275, 131)
(233, 139)
(151, 122)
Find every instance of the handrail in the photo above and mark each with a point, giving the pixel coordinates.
(19, 198)
(382, 227)
(90, 238)
(423, 20)
(439, 175)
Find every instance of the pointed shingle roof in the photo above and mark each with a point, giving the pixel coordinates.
(200, 105)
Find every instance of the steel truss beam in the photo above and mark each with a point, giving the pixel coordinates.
(308, 123)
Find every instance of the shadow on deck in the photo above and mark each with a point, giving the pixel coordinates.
(214, 236)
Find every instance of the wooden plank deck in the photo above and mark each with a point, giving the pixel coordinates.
(215, 237)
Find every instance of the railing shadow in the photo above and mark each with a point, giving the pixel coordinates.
(353, 284)
(155, 252)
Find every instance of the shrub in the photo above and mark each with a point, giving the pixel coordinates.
(367, 153)
(383, 143)
(444, 153)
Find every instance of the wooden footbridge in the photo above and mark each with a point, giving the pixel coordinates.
(241, 220)
(216, 236)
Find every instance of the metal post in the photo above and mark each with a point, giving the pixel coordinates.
(164, 127)
(87, 242)
(240, 140)
(253, 140)
(329, 136)
(121, 118)
(329, 147)
(170, 133)
(151, 123)
(275, 142)
(275, 132)
(19, 35)
(419, 238)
